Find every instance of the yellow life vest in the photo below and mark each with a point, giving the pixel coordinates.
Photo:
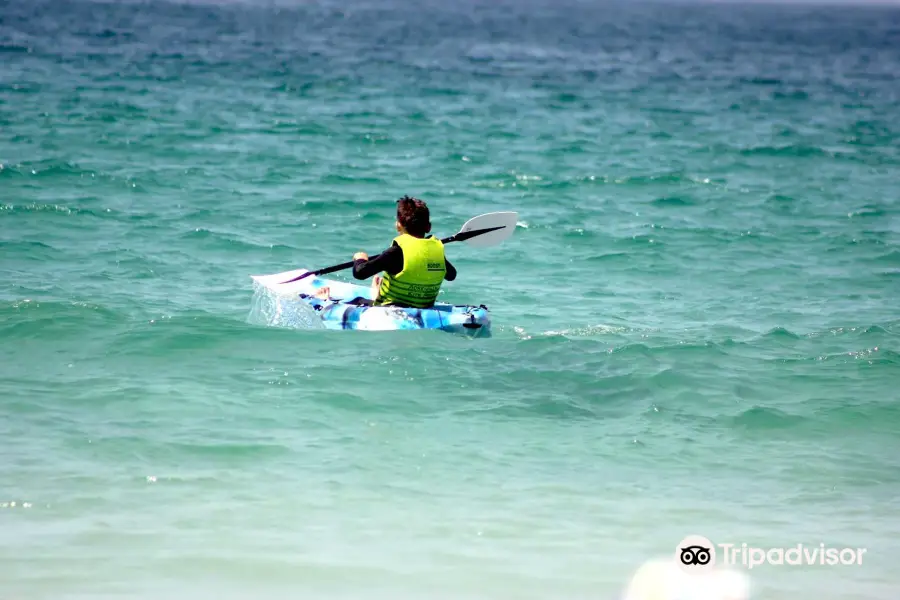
(418, 284)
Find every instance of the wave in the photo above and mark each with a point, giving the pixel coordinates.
(781, 333)
(51, 172)
(338, 179)
(127, 331)
(874, 356)
(766, 418)
(761, 80)
(869, 210)
(338, 205)
(33, 319)
(654, 342)
(50, 208)
(674, 201)
(230, 240)
(790, 150)
(45, 168)
(228, 452)
(30, 250)
(6, 48)
(610, 257)
(503, 180)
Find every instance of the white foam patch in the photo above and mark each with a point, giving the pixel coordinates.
(377, 320)
(270, 309)
(664, 580)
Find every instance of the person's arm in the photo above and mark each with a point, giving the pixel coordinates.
(391, 261)
(450, 275)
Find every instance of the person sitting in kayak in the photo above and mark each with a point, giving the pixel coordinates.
(413, 267)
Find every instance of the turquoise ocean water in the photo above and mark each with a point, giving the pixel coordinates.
(695, 324)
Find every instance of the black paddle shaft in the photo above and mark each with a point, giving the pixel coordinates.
(459, 237)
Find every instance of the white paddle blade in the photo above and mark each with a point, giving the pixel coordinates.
(505, 220)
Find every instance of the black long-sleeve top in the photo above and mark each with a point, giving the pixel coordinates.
(391, 261)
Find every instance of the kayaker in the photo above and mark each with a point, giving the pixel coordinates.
(413, 267)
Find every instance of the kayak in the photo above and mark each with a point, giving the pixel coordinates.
(345, 307)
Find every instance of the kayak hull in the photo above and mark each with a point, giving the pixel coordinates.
(345, 307)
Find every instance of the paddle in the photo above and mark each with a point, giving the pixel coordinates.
(481, 232)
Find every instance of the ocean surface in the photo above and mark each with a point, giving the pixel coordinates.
(696, 320)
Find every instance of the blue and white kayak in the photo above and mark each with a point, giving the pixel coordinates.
(341, 311)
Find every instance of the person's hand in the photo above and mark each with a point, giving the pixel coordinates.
(360, 256)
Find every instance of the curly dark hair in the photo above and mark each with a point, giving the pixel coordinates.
(413, 214)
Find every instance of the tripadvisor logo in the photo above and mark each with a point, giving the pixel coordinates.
(696, 552)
